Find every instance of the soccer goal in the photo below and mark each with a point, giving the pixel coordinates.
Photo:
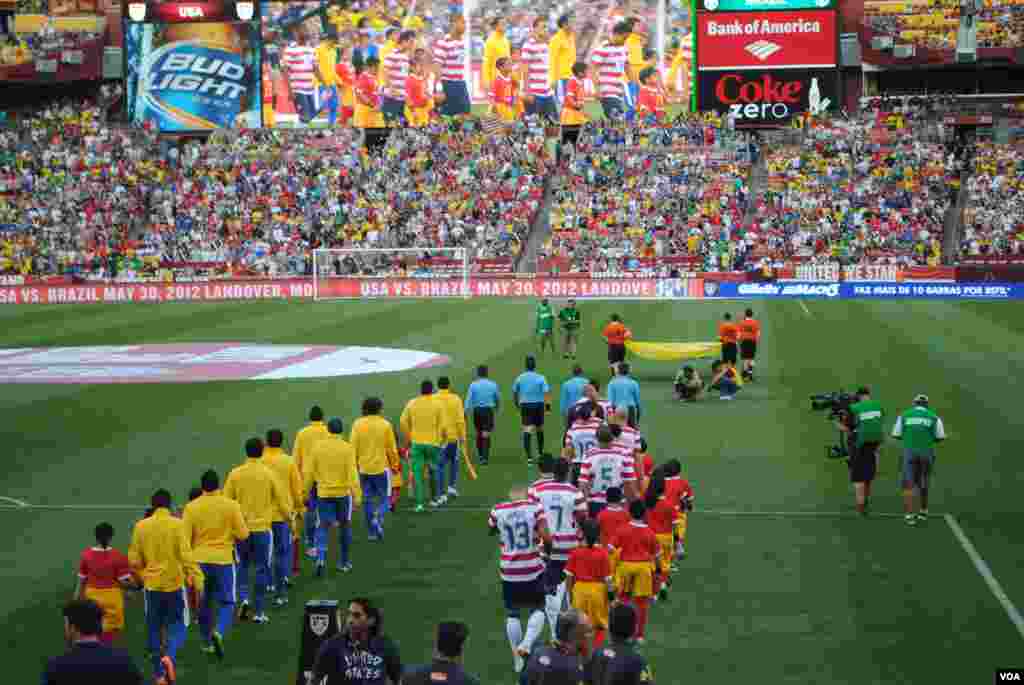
(403, 272)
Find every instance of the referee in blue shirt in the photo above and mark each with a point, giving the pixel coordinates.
(624, 393)
(571, 393)
(482, 401)
(530, 393)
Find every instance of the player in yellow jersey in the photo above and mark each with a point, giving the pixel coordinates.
(332, 464)
(453, 438)
(161, 554)
(214, 525)
(373, 439)
(304, 441)
(258, 492)
(421, 426)
(282, 465)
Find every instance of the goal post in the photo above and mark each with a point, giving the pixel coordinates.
(373, 270)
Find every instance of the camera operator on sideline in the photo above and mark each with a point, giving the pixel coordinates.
(863, 426)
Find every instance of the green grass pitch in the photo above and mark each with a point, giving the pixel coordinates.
(783, 583)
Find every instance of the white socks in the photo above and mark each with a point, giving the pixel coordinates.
(534, 627)
(553, 605)
(514, 630)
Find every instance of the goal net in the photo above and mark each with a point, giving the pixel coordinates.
(404, 272)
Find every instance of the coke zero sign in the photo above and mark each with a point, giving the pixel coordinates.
(753, 96)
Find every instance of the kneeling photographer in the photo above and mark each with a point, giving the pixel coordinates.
(863, 425)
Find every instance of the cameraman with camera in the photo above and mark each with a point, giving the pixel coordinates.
(862, 424)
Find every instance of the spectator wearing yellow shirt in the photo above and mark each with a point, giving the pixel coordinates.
(421, 425)
(453, 438)
(562, 53)
(327, 75)
(333, 467)
(282, 465)
(496, 47)
(161, 554)
(305, 439)
(373, 439)
(214, 525)
(258, 492)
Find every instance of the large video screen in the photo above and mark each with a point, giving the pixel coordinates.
(190, 68)
(295, 25)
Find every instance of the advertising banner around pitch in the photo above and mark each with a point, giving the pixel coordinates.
(744, 40)
(319, 624)
(766, 96)
(868, 291)
(192, 66)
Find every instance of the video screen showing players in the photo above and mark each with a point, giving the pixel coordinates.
(303, 86)
(186, 72)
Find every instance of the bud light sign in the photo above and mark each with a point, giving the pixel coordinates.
(755, 96)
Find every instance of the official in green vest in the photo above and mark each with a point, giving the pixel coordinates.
(569, 317)
(866, 417)
(919, 428)
(546, 325)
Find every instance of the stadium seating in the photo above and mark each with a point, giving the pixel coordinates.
(254, 202)
(933, 24)
(994, 217)
(652, 205)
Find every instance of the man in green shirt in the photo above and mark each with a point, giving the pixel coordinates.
(569, 318)
(919, 428)
(546, 325)
(866, 421)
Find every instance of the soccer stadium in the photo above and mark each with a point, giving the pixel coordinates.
(400, 342)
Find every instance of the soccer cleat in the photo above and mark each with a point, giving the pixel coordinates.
(261, 618)
(519, 657)
(244, 610)
(482, 461)
(419, 509)
(452, 492)
(319, 573)
(207, 649)
(343, 568)
(922, 515)
(663, 593)
(217, 642)
(910, 520)
(435, 503)
(170, 674)
(311, 553)
(280, 601)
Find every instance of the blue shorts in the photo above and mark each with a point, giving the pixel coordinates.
(311, 501)
(613, 108)
(220, 582)
(527, 594)
(450, 452)
(456, 98)
(392, 109)
(544, 106)
(333, 510)
(257, 549)
(166, 608)
(917, 467)
(376, 485)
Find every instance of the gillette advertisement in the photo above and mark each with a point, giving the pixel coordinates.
(192, 66)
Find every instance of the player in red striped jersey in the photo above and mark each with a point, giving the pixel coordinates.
(609, 62)
(522, 529)
(564, 508)
(581, 437)
(299, 60)
(395, 70)
(628, 437)
(536, 57)
(450, 59)
(604, 467)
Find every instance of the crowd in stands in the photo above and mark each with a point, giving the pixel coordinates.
(994, 217)
(80, 197)
(934, 23)
(855, 191)
(632, 195)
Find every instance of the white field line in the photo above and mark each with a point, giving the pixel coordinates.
(18, 504)
(471, 508)
(986, 573)
(804, 307)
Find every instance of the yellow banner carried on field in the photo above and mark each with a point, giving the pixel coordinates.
(671, 351)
